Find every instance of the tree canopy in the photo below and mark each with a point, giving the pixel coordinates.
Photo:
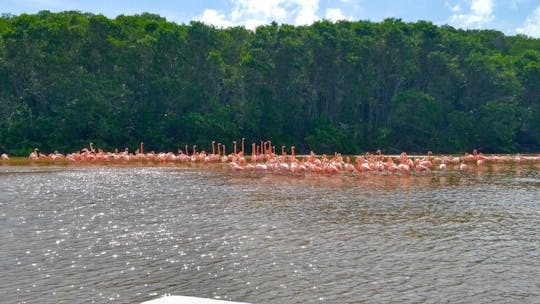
(70, 78)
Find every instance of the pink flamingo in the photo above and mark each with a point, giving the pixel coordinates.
(404, 165)
(236, 167)
(253, 153)
(243, 144)
(261, 167)
(362, 164)
(4, 156)
(34, 155)
(390, 165)
(426, 161)
(331, 168)
(478, 156)
(224, 158)
(380, 156)
(297, 166)
(348, 166)
(469, 157)
(419, 167)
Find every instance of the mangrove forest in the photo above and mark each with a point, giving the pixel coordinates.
(70, 78)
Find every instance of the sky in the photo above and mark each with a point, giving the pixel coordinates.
(508, 16)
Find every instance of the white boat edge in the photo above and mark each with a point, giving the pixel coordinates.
(188, 300)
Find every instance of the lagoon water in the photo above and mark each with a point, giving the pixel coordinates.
(98, 234)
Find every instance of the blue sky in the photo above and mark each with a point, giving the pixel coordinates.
(509, 16)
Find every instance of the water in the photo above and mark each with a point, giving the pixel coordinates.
(129, 234)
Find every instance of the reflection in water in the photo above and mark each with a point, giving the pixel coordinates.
(128, 234)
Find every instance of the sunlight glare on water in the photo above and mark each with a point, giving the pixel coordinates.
(129, 234)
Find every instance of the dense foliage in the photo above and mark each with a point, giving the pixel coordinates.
(70, 78)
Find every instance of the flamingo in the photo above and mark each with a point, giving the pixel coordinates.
(34, 155)
(419, 167)
(236, 167)
(331, 168)
(348, 167)
(4, 156)
(390, 165)
(362, 165)
(125, 157)
(70, 157)
(426, 161)
(253, 153)
(141, 148)
(405, 164)
(404, 168)
(478, 156)
(243, 144)
(283, 166)
(297, 166)
(55, 155)
(469, 157)
(518, 158)
(261, 167)
(224, 158)
(380, 156)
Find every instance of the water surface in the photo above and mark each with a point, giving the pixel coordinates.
(127, 234)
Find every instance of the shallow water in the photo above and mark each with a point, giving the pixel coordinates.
(129, 234)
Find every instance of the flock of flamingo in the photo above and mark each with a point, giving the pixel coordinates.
(265, 159)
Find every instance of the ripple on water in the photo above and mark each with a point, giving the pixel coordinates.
(127, 234)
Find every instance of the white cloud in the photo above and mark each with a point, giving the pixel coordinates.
(307, 13)
(334, 14)
(264, 10)
(252, 13)
(252, 23)
(214, 17)
(482, 7)
(456, 8)
(531, 26)
(480, 13)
